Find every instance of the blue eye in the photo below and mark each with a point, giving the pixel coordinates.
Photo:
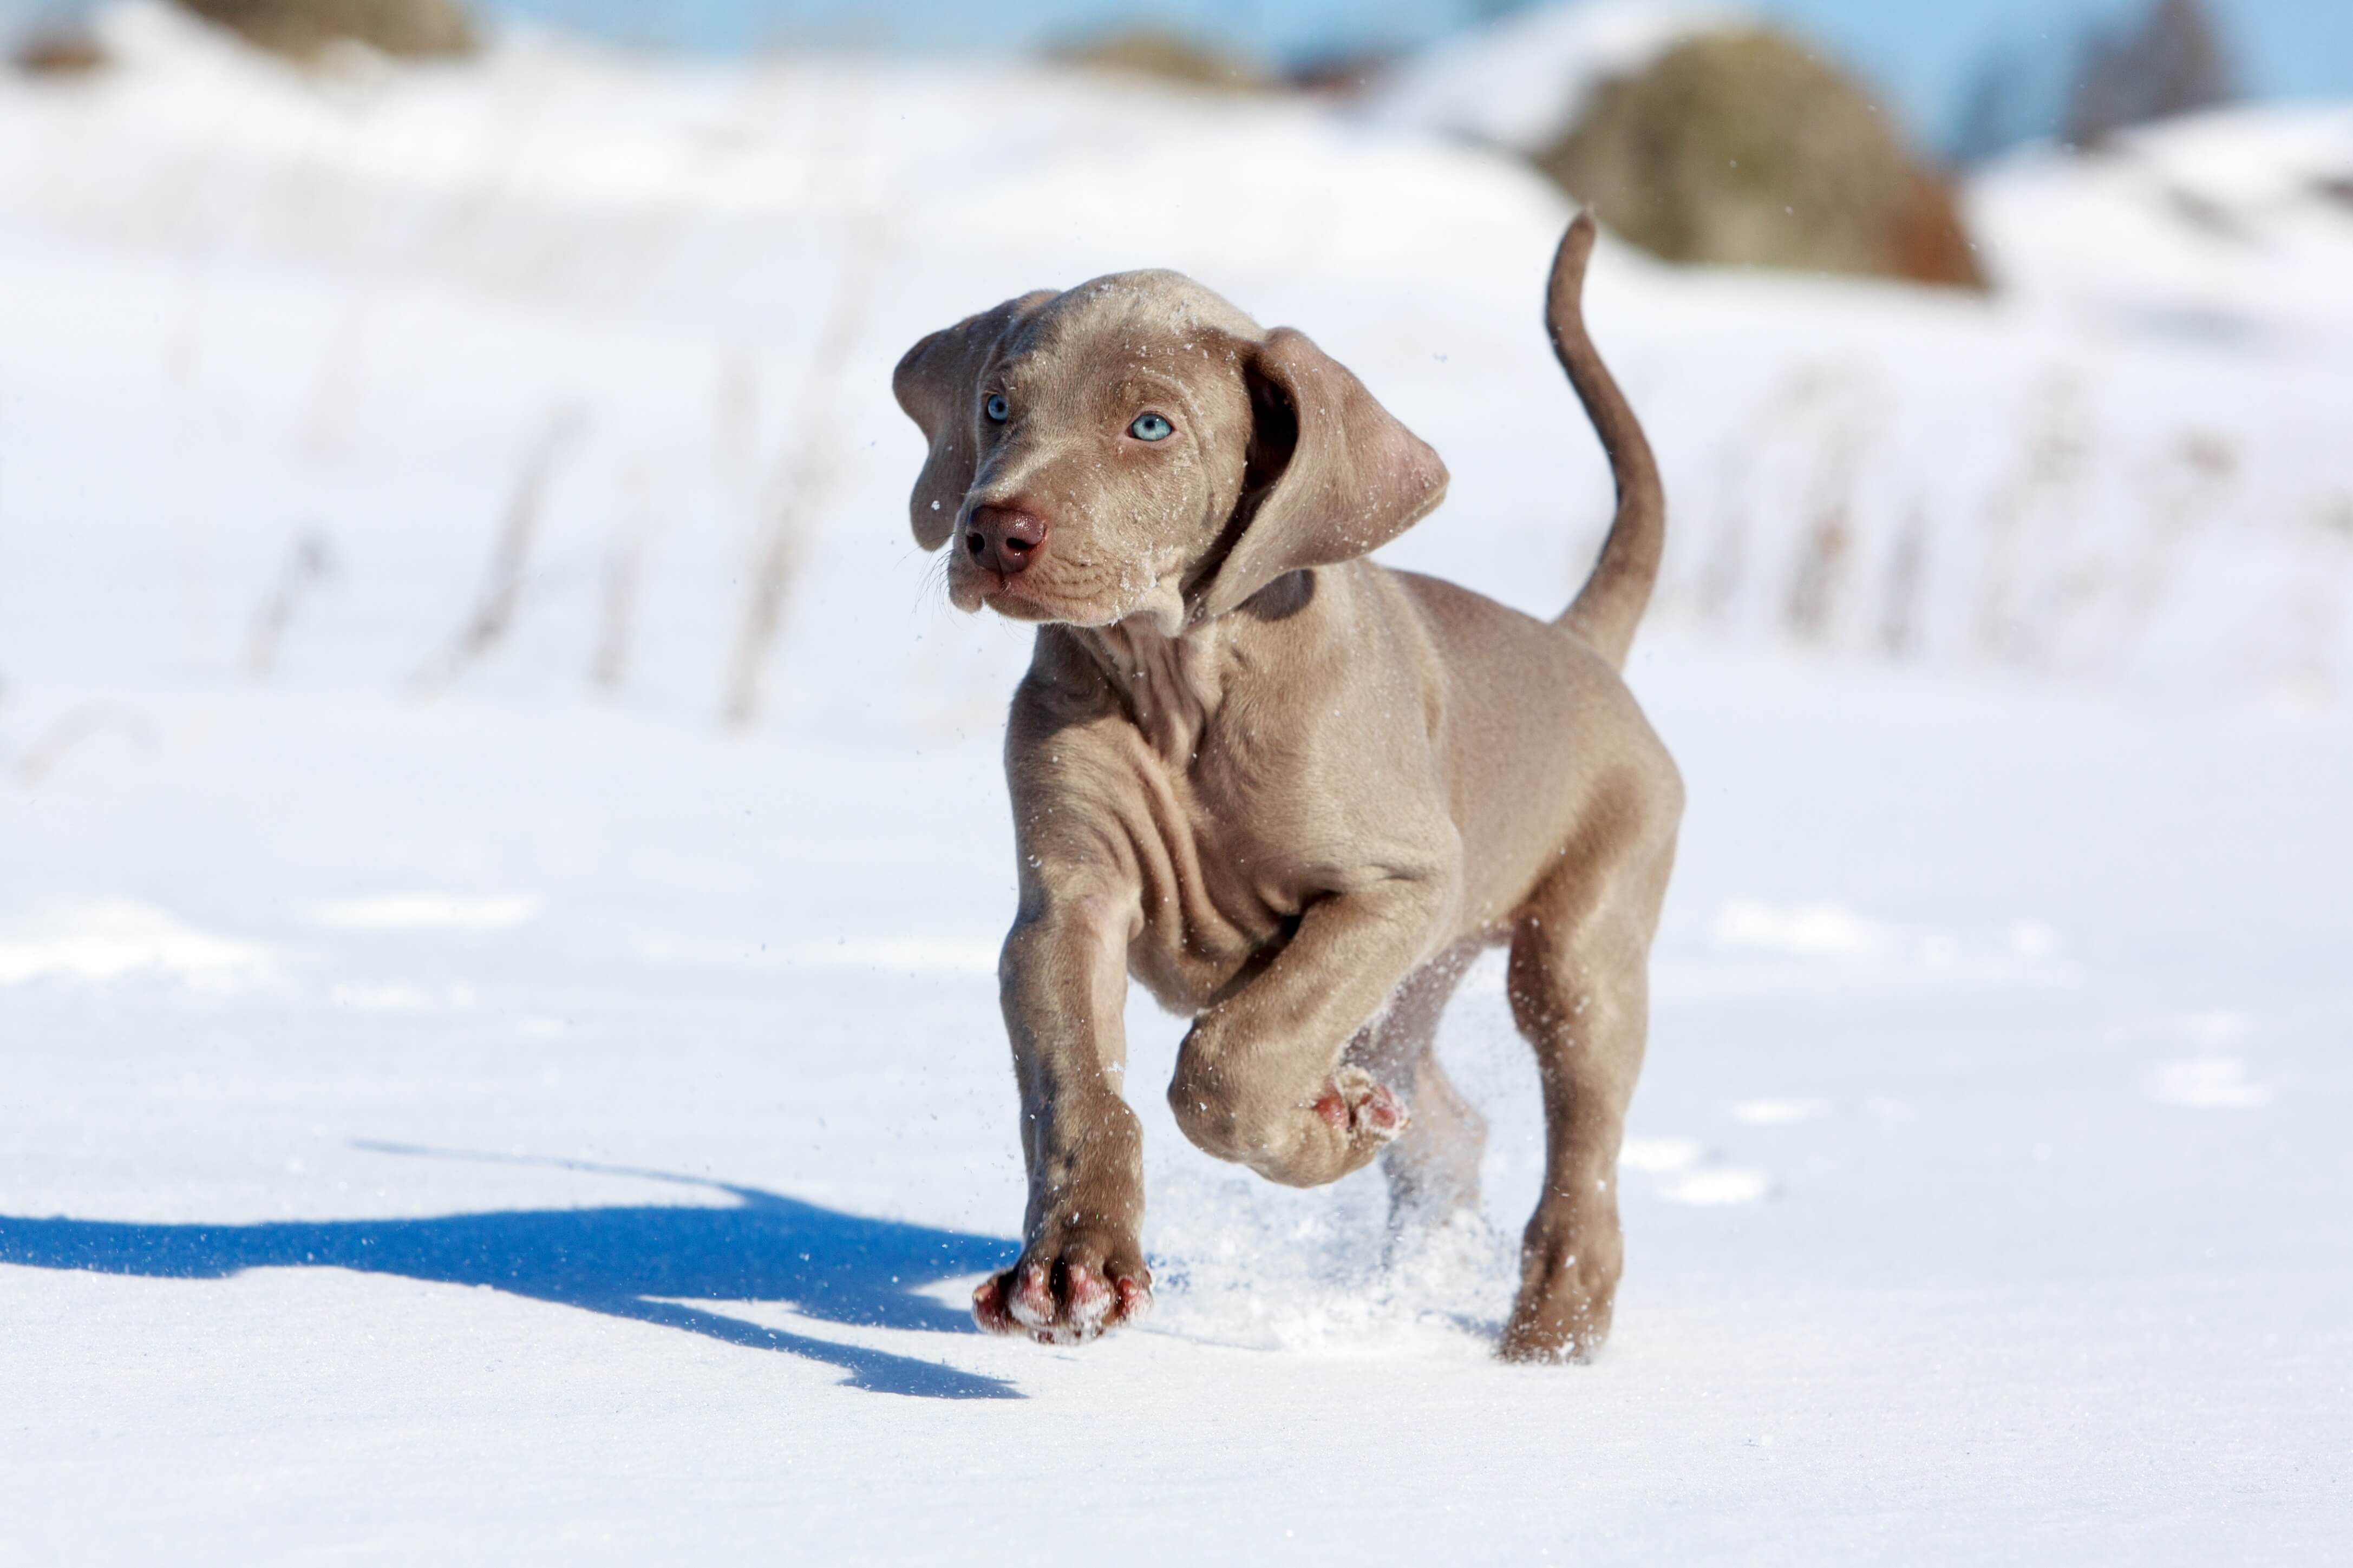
(1151, 428)
(997, 407)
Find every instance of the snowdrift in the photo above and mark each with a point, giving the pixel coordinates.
(505, 847)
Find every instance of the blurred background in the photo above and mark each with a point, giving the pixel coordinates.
(1961, 75)
(466, 683)
(743, 203)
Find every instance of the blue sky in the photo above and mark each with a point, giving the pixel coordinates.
(1920, 51)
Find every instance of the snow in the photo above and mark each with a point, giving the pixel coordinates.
(485, 1106)
(1522, 82)
(2236, 223)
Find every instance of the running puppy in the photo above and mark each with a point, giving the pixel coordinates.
(1292, 792)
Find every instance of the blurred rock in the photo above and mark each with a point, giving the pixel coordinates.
(1167, 58)
(1341, 75)
(303, 28)
(2172, 61)
(64, 51)
(1740, 147)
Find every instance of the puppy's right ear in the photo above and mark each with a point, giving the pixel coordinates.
(938, 384)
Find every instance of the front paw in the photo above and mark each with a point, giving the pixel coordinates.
(1066, 1293)
(1568, 1289)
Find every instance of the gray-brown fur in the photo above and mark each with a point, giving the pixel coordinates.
(1292, 792)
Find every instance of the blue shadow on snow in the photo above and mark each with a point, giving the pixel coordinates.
(640, 1262)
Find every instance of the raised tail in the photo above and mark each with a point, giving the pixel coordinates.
(1607, 609)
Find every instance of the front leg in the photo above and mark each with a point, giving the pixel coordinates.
(1064, 978)
(1259, 1080)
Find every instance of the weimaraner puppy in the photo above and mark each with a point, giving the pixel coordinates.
(1291, 790)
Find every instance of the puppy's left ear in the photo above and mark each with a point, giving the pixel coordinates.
(1353, 480)
(937, 383)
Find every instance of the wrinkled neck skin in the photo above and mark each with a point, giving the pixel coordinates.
(1172, 671)
(1170, 678)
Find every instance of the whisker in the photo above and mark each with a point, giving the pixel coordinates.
(931, 588)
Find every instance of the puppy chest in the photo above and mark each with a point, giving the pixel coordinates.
(1210, 895)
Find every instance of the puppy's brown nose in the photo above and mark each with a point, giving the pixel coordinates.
(1004, 538)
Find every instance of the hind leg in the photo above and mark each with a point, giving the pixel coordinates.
(1580, 994)
(1433, 1166)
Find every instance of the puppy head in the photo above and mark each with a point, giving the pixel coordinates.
(1136, 446)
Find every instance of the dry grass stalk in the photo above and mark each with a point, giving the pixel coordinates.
(2318, 613)
(1822, 559)
(1825, 554)
(2014, 610)
(310, 563)
(797, 488)
(617, 615)
(622, 577)
(1903, 608)
(1741, 465)
(2180, 489)
(494, 608)
(73, 727)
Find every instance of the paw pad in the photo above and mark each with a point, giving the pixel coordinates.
(1061, 1304)
(1355, 1104)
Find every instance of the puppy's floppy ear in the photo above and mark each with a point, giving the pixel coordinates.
(1354, 478)
(938, 384)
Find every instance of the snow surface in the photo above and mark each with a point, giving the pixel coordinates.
(1521, 81)
(483, 1106)
(2236, 223)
